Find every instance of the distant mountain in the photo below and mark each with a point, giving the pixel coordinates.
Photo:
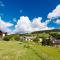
(46, 31)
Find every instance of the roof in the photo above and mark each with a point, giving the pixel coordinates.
(1, 32)
(56, 41)
(28, 37)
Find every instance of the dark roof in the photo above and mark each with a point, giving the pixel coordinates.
(0, 31)
(56, 41)
(3, 32)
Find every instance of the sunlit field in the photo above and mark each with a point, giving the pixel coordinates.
(16, 50)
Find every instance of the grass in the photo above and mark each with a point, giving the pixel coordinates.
(15, 50)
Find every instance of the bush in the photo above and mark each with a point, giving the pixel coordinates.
(12, 38)
(17, 37)
(6, 38)
(46, 42)
(55, 35)
(36, 40)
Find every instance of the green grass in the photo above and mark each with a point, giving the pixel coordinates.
(15, 50)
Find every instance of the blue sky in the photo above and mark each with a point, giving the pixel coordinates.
(14, 11)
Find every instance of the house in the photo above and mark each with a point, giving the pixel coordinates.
(2, 34)
(56, 42)
(27, 38)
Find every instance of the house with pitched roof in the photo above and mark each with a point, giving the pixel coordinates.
(56, 42)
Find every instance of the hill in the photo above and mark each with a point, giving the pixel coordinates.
(46, 31)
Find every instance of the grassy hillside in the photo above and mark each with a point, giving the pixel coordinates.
(13, 50)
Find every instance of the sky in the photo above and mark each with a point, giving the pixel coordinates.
(25, 16)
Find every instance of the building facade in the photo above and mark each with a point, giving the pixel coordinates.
(2, 34)
(27, 38)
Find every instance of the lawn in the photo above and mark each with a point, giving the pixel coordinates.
(15, 50)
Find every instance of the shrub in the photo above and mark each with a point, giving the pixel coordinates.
(36, 40)
(46, 42)
(16, 37)
(6, 38)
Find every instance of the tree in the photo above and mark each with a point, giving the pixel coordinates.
(55, 35)
(36, 40)
(17, 37)
(7, 38)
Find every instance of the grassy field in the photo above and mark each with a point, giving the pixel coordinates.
(15, 50)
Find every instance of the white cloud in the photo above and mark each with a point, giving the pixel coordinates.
(57, 21)
(55, 12)
(2, 4)
(24, 25)
(4, 25)
(42, 25)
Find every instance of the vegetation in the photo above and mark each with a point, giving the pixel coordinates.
(7, 38)
(15, 37)
(12, 48)
(45, 35)
(36, 39)
(39, 34)
(15, 50)
(55, 35)
(47, 31)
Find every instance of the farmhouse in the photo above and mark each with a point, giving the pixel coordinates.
(2, 34)
(27, 38)
(56, 42)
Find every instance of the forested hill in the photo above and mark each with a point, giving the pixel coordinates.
(47, 31)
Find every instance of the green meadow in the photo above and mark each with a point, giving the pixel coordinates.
(16, 50)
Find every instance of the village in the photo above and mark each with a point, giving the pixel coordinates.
(49, 41)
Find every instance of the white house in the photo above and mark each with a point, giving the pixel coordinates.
(27, 38)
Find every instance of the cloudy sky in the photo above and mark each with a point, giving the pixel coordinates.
(24, 16)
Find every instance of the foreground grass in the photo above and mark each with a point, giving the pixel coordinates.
(13, 50)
